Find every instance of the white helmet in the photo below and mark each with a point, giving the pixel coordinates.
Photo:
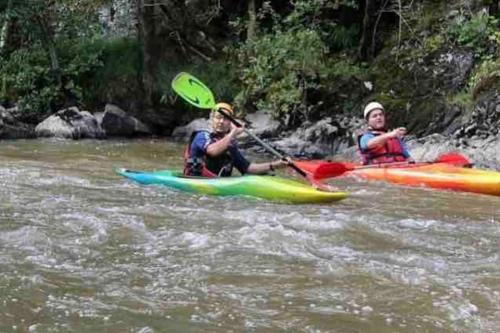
(370, 107)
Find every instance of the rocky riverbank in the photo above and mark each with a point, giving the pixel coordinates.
(475, 134)
(72, 123)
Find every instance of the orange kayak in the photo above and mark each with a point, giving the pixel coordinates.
(434, 175)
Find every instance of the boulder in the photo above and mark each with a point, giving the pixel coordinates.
(116, 122)
(6, 115)
(70, 123)
(262, 124)
(452, 68)
(483, 153)
(10, 128)
(183, 133)
(324, 138)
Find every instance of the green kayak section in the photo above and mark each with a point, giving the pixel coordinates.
(272, 188)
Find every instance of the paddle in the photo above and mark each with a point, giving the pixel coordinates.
(453, 158)
(322, 170)
(198, 94)
(193, 91)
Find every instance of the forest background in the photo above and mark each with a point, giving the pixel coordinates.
(431, 63)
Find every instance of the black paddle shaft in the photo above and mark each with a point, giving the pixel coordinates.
(265, 145)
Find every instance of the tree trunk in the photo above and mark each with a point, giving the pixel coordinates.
(4, 33)
(365, 50)
(252, 20)
(137, 23)
(44, 21)
(493, 8)
(151, 49)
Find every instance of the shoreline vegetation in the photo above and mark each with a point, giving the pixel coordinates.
(298, 71)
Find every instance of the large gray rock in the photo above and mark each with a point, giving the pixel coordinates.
(54, 126)
(453, 68)
(483, 153)
(183, 133)
(262, 124)
(5, 115)
(70, 123)
(116, 122)
(323, 138)
(483, 121)
(10, 128)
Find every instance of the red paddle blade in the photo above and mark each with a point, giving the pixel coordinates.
(320, 170)
(317, 184)
(454, 159)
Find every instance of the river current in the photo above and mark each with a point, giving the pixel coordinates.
(84, 250)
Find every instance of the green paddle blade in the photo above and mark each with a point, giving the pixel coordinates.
(193, 91)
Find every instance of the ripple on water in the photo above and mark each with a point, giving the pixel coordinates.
(85, 250)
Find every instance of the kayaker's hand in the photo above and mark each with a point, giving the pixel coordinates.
(282, 163)
(235, 130)
(398, 133)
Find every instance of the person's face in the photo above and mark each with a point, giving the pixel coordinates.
(220, 124)
(376, 119)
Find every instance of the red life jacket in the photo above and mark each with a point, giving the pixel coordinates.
(197, 166)
(390, 152)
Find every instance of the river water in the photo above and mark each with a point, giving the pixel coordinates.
(83, 250)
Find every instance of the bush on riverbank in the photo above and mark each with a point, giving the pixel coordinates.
(288, 66)
(93, 71)
(117, 77)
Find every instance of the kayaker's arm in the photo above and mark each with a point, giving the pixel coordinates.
(220, 146)
(380, 140)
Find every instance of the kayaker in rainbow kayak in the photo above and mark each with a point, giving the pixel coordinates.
(377, 144)
(215, 153)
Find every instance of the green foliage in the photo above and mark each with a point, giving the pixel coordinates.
(342, 67)
(462, 98)
(120, 56)
(111, 63)
(279, 68)
(27, 77)
(479, 33)
(41, 21)
(311, 13)
(433, 43)
(488, 68)
(342, 38)
(485, 76)
(67, 30)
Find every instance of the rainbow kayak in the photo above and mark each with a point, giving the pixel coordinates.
(271, 188)
(434, 175)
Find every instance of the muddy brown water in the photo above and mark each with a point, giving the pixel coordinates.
(83, 250)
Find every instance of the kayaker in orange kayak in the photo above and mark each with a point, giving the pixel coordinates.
(215, 153)
(377, 144)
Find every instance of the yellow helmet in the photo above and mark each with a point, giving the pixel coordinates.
(227, 107)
